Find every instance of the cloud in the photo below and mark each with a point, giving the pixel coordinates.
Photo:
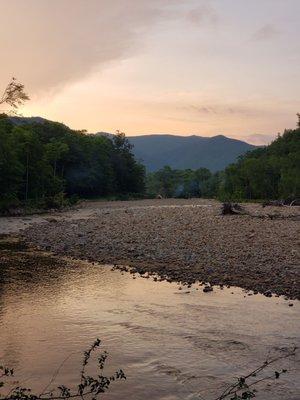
(202, 14)
(222, 110)
(266, 32)
(49, 43)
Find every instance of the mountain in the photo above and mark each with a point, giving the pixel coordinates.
(182, 152)
(179, 152)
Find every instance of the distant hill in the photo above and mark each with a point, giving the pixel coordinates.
(18, 120)
(179, 152)
(182, 152)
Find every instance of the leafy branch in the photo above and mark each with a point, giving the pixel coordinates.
(93, 385)
(244, 388)
(14, 94)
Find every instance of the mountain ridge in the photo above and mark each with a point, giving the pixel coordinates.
(183, 152)
(178, 151)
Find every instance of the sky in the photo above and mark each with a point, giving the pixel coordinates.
(181, 67)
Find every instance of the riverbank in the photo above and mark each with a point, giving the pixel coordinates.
(181, 240)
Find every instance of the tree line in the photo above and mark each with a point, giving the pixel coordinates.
(45, 163)
(269, 172)
(168, 182)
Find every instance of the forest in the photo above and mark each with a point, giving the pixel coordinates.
(47, 164)
(168, 182)
(269, 172)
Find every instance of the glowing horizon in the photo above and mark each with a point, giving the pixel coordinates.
(183, 68)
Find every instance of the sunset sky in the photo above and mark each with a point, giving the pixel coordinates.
(184, 67)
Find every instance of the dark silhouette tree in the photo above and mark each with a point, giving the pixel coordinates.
(14, 94)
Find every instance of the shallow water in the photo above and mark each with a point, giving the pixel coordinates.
(172, 344)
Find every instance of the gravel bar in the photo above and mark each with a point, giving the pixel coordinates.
(184, 241)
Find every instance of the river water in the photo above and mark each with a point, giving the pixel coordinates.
(172, 344)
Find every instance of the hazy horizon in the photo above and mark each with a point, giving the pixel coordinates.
(197, 67)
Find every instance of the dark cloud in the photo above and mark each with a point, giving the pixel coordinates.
(48, 43)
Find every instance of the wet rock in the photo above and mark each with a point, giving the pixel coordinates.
(268, 293)
(51, 219)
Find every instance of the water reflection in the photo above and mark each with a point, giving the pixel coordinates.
(171, 344)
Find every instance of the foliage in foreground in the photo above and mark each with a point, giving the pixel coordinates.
(89, 385)
(245, 386)
(95, 385)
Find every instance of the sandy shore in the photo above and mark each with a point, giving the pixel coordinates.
(182, 240)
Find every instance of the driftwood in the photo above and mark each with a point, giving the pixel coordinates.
(280, 203)
(236, 209)
(232, 209)
(293, 202)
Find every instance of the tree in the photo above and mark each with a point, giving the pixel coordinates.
(27, 143)
(14, 94)
(55, 151)
(11, 167)
(121, 142)
(129, 174)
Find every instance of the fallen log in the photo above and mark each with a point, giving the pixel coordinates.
(232, 209)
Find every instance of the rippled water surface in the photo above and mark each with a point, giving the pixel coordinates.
(172, 344)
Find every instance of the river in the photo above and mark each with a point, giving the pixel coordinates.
(172, 344)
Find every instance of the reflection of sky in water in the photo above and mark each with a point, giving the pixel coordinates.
(170, 343)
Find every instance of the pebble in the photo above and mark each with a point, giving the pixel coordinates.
(184, 244)
(207, 289)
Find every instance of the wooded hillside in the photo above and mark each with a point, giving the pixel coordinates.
(271, 172)
(40, 163)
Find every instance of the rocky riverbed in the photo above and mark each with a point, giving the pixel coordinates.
(184, 241)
